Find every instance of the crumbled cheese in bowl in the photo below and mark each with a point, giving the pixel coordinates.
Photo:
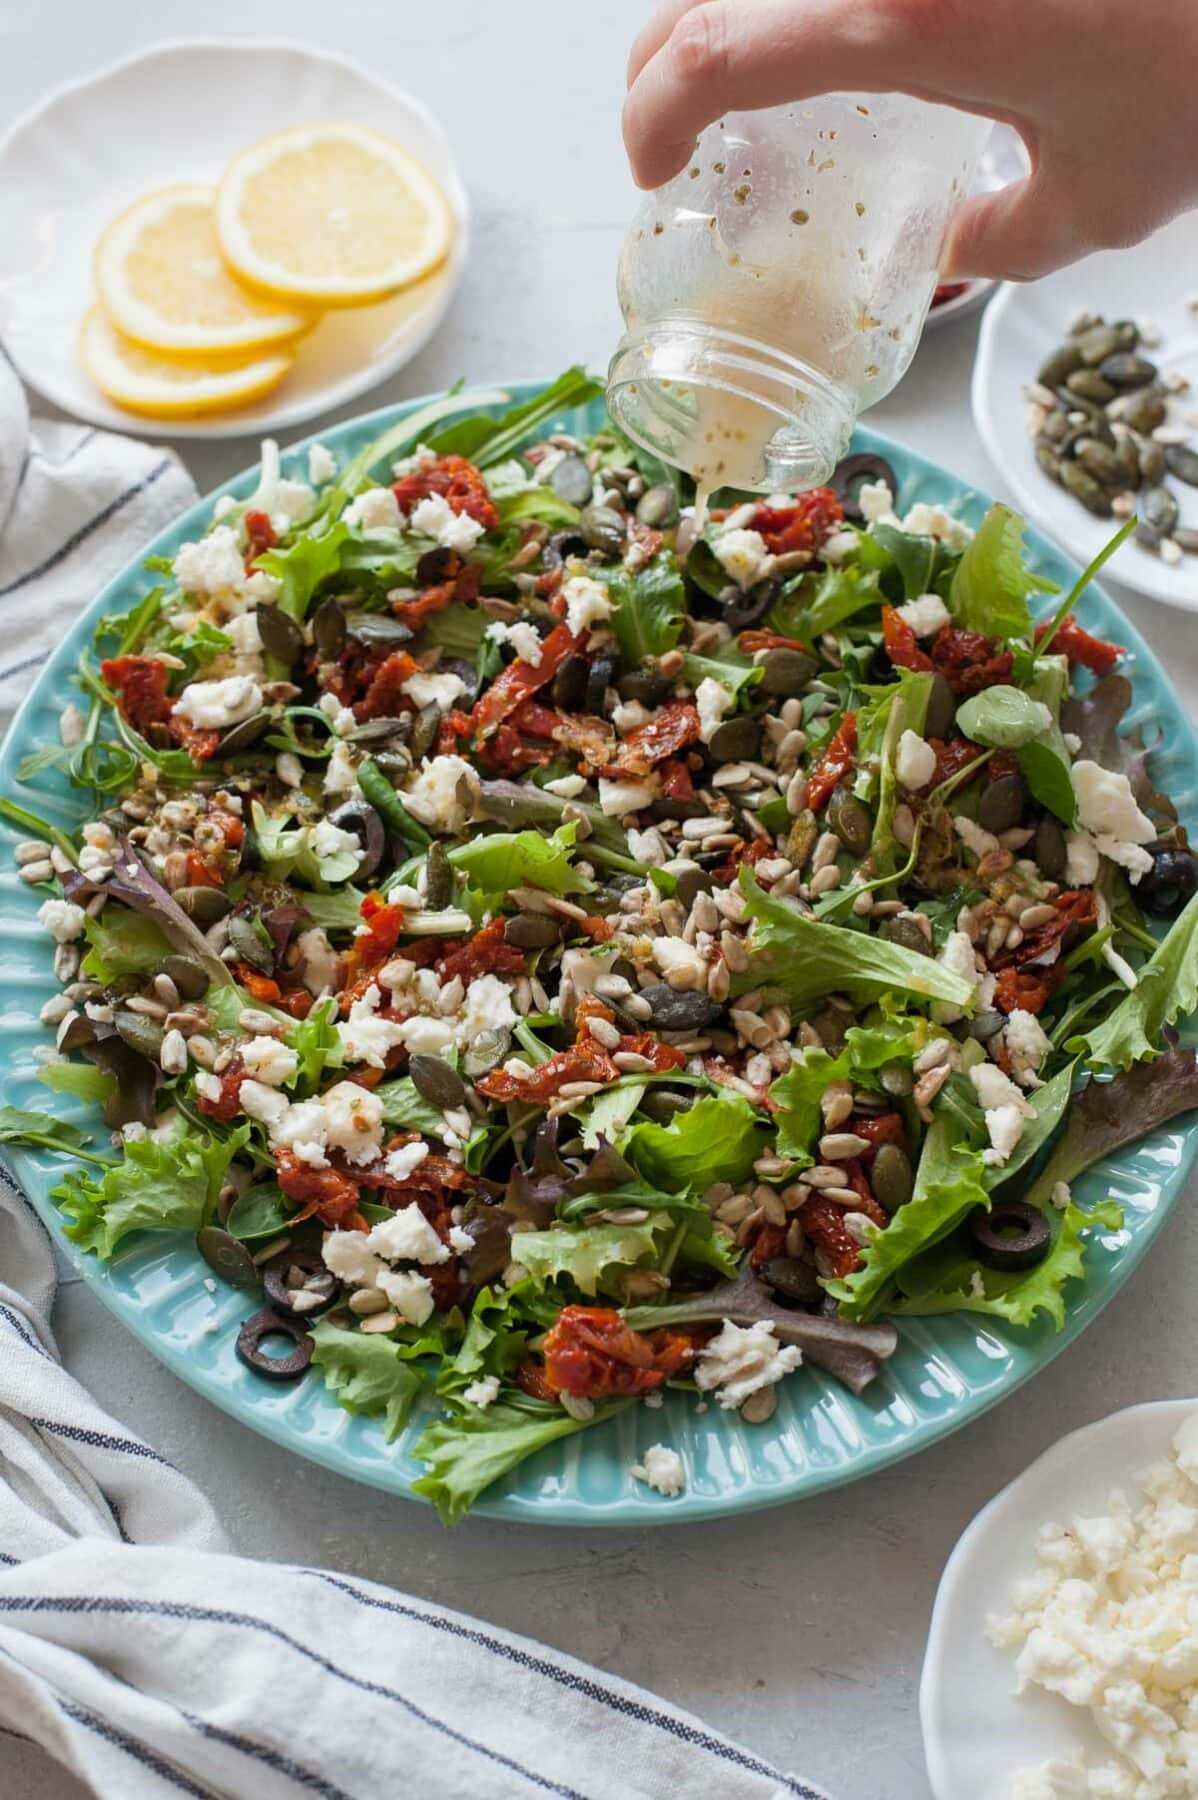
(1109, 1621)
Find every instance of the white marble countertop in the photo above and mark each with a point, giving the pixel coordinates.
(801, 1630)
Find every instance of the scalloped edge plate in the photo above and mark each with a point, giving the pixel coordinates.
(946, 1371)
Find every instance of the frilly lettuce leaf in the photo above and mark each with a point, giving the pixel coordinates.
(1168, 987)
(585, 1252)
(369, 1373)
(503, 860)
(717, 1139)
(806, 959)
(473, 1449)
(160, 1184)
(797, 1094)
(650, 607)
(493, 1343)
(302, 567)
(123, 942)
(991, 583)
(316, 1043)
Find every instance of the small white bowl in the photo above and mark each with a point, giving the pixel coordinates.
(976, 1731)
(179, 113)
(1025, 323)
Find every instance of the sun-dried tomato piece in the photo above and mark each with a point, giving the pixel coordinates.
(1073, 641)
(458, 481)
(231, 828)
(1027, 990)
(662, 1056)
(1075, 907)
(530, 1375)
(670, 730)
(520, 679)
(260, 535)
(885, 1128)
(454, 725)
(970, 661)
(585, 1061)
(835, 761)
(750, 642)
(675, 779)
(329, 1194)
(486, 953)
(227, 1104)
(591, 1353)
(805, 525)
(1002, 762)
(953, 755)
(740, 855)
(769, 1242)
(462, 581)
(858, 1180)
(901, 644)
(507, 753)
(823, 1225)
(385, 698)
(140, 684)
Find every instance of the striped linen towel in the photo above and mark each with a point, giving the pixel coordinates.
(134, 1648)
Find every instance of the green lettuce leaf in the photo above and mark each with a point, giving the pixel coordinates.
(41, 1131)
(1167, 988)
(488, 441)
(304, 565)
(813, 604)
(610, 1112)
(369, 1373)
(535, 501)
(160, 1184)
(583, 1252)
(650, 606)
(470, 1451)
(730, 667)
(79, 1078)
(404, 1107)
(504, 860)
(919, 560)
(797, 1094)
(261, 1212)
(990, 587)
(316, 1043)
(806, 959)
(123, 942)
(493, 1343)
(460, 630)
(948, 1279)
(717, 1139)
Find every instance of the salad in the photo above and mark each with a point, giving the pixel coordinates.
(545, 946)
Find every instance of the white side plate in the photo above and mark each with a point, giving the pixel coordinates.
(1024, 324)
(976, 1731)
(179, 113)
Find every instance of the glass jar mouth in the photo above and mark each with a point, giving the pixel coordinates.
(661, 372)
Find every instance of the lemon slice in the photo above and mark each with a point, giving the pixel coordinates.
(160, 277)
(331, 215)
(143, 381)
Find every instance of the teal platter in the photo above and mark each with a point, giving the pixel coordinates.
(946, 1371)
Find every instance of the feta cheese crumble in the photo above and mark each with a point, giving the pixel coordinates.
(1027, 1046)
(1107, 1621)
(482, 1393)
(211, 705)
(523, 636)
(322, 465)
(365, 1038)
(925, 616)
(269, 1061)
(712, 701)
(1005, 1108)
(434, 688)
(661, 1468)
(211, 566)
(375, 510)
(452, 530)
(619, 798)
(914, 762)
(443, 794)
(742, 1359)
(407, 1235)
(587, 603)
(1107, 809)
(62, 920)
(742, 554)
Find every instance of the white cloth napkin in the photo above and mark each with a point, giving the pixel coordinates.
(134, 1648)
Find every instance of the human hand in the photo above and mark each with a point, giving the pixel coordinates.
(1099, 92)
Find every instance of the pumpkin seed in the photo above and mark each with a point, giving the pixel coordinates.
(1090, 385)
(1183, 463)
(801, 841)
(1126, 371)
(532, 931)
(1049, 849)
(485, 1052)
(189, 976)
(1001, 805)
(680, 1009)
(663, 1106)
(328, 629)
(1055, 428)
(1186, 539)
(1152, 460)
(737, 739)
(203, 904)
(852, 821)
(1143, 411)
(424, 729)
(1049, 461)
(603, 529)
(141, 1034)
(691, 883)
(245, 733)
(570, 683)
(1060, 366)
(1158, 516)
(1105, 465)
(375, 628)
(572, 481)
(909, 934)
(942, 708)
(658, 506)
(438, 877)
(786, 671)
(987, 1024)
(249, 946)
(793, 1279)
(280, 634)
(437, 1083)
(227, 1257)
(1099, 342)
(891, 1177)
(1083, 487)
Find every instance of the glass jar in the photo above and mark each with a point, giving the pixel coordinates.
(777, 287)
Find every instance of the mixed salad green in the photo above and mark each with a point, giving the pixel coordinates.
(545, 946)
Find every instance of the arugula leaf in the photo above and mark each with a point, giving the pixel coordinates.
(82, 1079)
(807, 960)
(990, 587)
(949, 1184)
(1166, 988)
(160, 1184)
(583, 1252)
(502, 861)
(487, 441)
(1002, 717)
(43, 1131)
(717, 1139)
(403, 1106)
(123, 943)
(650, 607)
(369, 1373)
(472, 1450)
(949, 1279)
(302, 567)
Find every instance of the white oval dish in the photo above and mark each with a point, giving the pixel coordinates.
(179, 113)
(976, 1731)
(1024, 323)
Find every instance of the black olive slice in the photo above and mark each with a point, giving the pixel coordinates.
(294, 1275)
(1170, 883)
(266, 1324)
(1012, 1235)
(850, 475)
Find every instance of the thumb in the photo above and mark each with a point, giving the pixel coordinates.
(1021, 232)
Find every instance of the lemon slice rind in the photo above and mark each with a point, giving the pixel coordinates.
(161, 387)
